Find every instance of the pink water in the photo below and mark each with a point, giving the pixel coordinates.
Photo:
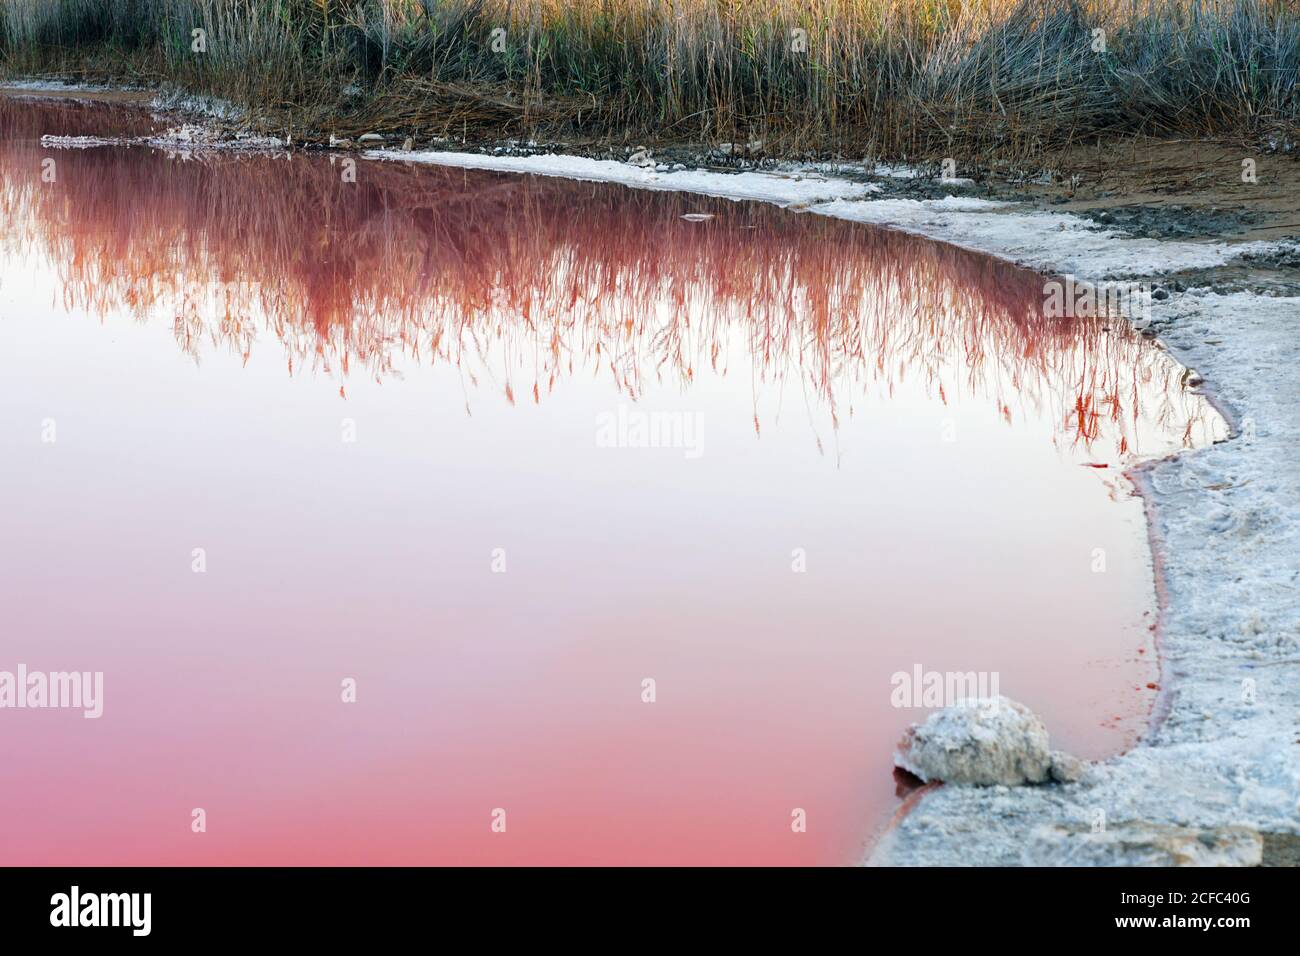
(363, 400)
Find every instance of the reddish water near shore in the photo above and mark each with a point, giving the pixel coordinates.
(405, 420)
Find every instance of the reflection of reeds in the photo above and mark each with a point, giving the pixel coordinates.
(914, 76)
(527, 280)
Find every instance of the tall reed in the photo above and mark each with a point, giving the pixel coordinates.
(895, 77)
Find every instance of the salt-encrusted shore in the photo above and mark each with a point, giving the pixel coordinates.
(1224, 521)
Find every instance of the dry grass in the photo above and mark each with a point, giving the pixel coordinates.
(918, 77)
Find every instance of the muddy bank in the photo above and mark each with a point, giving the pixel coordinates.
(1166, 189)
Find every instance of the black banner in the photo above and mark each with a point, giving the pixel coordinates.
(112, 906)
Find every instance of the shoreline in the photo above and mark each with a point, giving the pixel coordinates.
(1211, 759)
(924, 835)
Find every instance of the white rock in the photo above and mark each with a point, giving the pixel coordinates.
(983, 741)
(1066, 768)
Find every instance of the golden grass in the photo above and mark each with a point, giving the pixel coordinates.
(890, 78)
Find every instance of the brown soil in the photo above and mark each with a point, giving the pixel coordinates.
(1201, 179)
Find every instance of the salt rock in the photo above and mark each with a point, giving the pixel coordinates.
(1139, 843)
(985, 741)
(1066, 768)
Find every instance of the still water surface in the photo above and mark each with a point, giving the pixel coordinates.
(405, 418)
